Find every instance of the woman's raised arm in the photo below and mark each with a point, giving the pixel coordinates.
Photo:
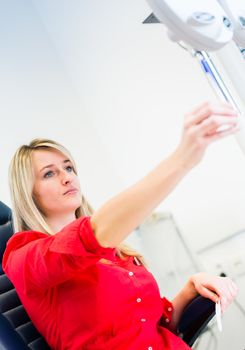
(118, 217)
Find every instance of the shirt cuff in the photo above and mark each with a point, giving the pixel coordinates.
(167, 312)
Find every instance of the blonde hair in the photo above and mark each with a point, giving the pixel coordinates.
(26, 213)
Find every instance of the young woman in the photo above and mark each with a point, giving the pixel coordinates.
(81, 286)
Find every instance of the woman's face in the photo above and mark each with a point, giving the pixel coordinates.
(54, 176)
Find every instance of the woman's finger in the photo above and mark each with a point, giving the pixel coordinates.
(222, 134)
(227, 292)
(207, 293)
(234, 286)
(207, 104)
(210, 125)
(232, 290)
(206, 111)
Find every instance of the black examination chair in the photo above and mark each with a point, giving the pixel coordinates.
(18, 333)
(16, 329)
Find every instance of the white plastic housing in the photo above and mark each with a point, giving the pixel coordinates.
(204, 25)
(235, 9)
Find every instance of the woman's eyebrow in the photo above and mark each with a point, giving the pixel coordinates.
(51, 165)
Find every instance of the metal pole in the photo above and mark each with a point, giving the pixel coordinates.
(222, 91)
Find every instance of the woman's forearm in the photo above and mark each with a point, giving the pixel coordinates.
(118, 217)
(115, 220)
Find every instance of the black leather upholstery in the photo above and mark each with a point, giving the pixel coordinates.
(16, 329)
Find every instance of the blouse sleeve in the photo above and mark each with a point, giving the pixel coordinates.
(167, 312)
(48, 261)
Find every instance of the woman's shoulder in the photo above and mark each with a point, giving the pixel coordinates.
(20, 239)
(23, 237)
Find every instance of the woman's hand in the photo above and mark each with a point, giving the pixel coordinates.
(202, 126)
(209, 286)
(215, 288)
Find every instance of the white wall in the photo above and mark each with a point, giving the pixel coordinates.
(114, 91)
(38, 98)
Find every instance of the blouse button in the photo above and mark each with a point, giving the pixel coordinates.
(138, 300)
(143, 320)
(150, 348)
(130, 273)
(167, 320)
(170, 309)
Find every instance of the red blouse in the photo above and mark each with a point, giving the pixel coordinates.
(81, 296)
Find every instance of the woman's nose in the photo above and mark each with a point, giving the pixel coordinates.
(66, 177)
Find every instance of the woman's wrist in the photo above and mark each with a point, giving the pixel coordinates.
(181, 160)
(186, 294)
(189, 291)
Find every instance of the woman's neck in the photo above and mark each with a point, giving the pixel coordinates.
(57, 223)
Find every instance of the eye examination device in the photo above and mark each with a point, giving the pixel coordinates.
(202, 27)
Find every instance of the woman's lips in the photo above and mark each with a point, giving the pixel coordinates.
(73, 191)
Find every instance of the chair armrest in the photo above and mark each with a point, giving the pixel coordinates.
(195, 318)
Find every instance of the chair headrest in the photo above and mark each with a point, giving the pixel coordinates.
(5, 213)
(6, 227)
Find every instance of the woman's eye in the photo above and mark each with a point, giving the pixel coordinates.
(47, 174)
(70, 167)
